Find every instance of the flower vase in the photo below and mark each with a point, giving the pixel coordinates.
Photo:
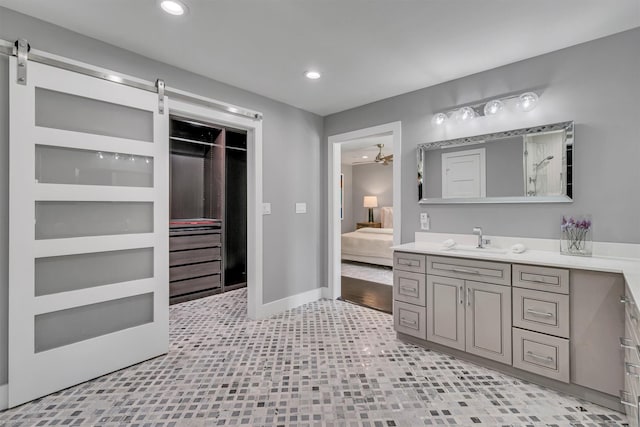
(576, 236)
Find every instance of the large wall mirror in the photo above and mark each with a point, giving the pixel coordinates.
(518, 166)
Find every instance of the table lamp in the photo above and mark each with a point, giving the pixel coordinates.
(370, 202)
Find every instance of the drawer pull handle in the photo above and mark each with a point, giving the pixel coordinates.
(625, 399)
(626, 300)
(536, 280)
(631, 368)
(624, 396)
(405, 321)
(408, 262)
(539, 313)
(546, 359)
(461, 295)
(409, 289)
(469, 297)
(627, 343)
(464, 270)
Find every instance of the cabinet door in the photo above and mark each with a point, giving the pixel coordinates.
(488, 321)
(445, 311)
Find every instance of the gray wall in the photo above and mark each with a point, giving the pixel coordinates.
(347, 223)
(291, 139)
(371, 180)
(595, 84)
(504, 168)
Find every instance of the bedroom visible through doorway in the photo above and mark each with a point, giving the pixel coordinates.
(366, 227)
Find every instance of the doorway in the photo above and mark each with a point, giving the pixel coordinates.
(253, 129)
(362, 138)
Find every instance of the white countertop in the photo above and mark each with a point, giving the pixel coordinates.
(629, 267)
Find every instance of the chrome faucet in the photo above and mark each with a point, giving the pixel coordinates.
(481, 242)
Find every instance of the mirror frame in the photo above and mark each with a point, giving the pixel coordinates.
(478, 139)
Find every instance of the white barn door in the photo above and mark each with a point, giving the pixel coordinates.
(88, 240)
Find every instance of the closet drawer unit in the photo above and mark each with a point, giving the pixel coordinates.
(179, 243)
(409, 287)
(409, 262)
(479, 271)
(410, 319)
(193, 256)
(194, 270)
(541, 278)
(631, 309)
(194, 285)
(541, 354)
(539, 311)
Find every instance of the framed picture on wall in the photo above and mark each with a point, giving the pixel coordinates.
(341, 196)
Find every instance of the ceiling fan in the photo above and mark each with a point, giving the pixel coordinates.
(380, 158)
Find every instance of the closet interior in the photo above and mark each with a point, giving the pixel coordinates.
(208, 209)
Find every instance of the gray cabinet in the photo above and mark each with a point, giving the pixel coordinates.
(469, 315)
(488, 321)
(445, 310)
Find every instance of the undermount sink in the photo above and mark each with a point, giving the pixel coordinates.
(476, 250)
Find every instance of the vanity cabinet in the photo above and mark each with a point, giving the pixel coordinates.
(563, 328)
(471, 316)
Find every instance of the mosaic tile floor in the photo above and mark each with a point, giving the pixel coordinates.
(369, 272)
(328, 363)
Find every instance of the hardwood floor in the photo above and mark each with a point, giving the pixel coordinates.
(368, 294)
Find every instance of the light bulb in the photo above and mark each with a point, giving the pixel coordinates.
(493, 107)
(131, 158)
(100, 155)
(147, 161)
(527, 101)
(466, 113)
(116, 156)
(439, 119)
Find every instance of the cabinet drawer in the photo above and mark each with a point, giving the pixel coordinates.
(541, 278)
(194, 285)
(409, 287)
(409, 262)
(193, 256)
(194, 270)
(410, 319)
(180, 243)
(479, 271)
(541, 354)
(631, 310)
(539, 311)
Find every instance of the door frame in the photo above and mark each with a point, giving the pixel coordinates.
(334, 246)
(255, 304)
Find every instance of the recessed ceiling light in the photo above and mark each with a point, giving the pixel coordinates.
(365, 157)
(173, 7)
(313, 75)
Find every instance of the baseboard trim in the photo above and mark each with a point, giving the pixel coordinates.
(4, 397)
(284, 304)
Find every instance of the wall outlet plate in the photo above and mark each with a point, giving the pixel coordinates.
(425, 221)
(266, 209)
(301, 207)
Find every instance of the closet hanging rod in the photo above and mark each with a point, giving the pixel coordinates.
(209, 144)
(10, 49)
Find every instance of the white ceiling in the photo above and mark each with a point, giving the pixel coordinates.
(366, 49)
(352, 151)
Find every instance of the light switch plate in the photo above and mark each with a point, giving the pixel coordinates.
(301, 207)
(266, 209)
(425, 221)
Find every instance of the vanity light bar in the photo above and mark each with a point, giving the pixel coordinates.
(524, 102)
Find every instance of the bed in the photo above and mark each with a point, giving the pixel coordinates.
(371, 245)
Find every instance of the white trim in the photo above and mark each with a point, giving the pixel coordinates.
(93, 193)
(255, 308)
(4, 397)
(333, 189)
(293, 301)
(87, 141)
